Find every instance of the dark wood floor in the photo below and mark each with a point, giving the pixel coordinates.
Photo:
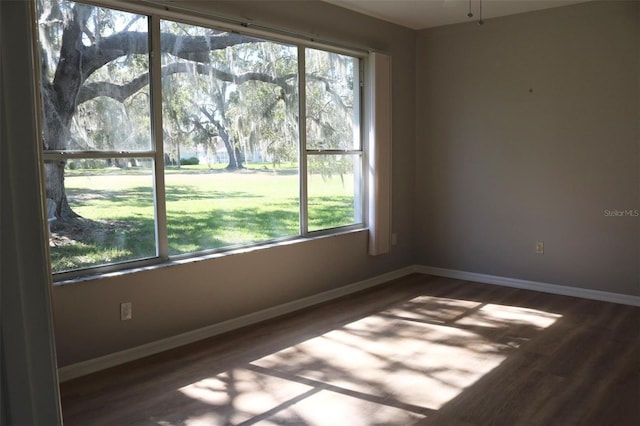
(420, 350)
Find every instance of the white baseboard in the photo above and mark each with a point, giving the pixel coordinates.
(111, 360)
(531, 285)
(93, 365)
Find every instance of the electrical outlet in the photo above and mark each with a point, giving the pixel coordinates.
(394, 239)
(539, 247)
(126, 311)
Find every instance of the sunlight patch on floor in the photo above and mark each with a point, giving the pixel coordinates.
(392, 367)
(240, 394)
(518, 315)
(331, 409)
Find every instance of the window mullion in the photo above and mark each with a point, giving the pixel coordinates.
(302, 126)
(162, 242)
(334, 152)
(69, 155)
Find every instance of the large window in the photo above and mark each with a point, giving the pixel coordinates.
(220, 140)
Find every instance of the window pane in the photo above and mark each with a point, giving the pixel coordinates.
(230, 108)
(208, 209)
(114, 199)
(332, 100)
(95, 89)
(334, 191)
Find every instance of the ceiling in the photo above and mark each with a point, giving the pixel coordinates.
(420, 14)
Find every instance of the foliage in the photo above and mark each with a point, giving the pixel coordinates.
(191, 161)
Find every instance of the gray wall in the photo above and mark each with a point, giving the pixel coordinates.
(528, 130)
(180, 298)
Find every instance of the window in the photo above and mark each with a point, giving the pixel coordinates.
(219, 141)
(235, 113)
(99, 157)
(333, 142)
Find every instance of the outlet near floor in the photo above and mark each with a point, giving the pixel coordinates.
(126, 311)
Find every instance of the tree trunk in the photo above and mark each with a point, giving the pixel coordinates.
(178, 152)
(56, 135)
(235, 160)
(54, 175)
(239, 158)
(55, 190)
(59, 99)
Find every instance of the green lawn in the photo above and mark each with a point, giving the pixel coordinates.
(206, 209)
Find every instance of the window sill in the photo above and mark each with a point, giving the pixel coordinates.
(187, 259)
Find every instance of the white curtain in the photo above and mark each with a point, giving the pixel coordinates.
(378, 139)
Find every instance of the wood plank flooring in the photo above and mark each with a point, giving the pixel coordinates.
(420, 350)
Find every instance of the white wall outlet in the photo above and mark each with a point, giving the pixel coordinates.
(539, 247)
(394, 239)
(126, 311)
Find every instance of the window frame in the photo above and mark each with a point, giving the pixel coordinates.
(155, 13)
(306, 152)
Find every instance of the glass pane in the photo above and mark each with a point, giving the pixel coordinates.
(332, 98)
(208, 209)
(95, 86)
(230, 108)
(114, 201)
(334, 191)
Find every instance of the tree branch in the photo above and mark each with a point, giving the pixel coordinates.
(327, 87)
(193, 48)
(120, 92)
(67, 80)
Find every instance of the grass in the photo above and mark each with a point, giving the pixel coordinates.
(206, 209)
